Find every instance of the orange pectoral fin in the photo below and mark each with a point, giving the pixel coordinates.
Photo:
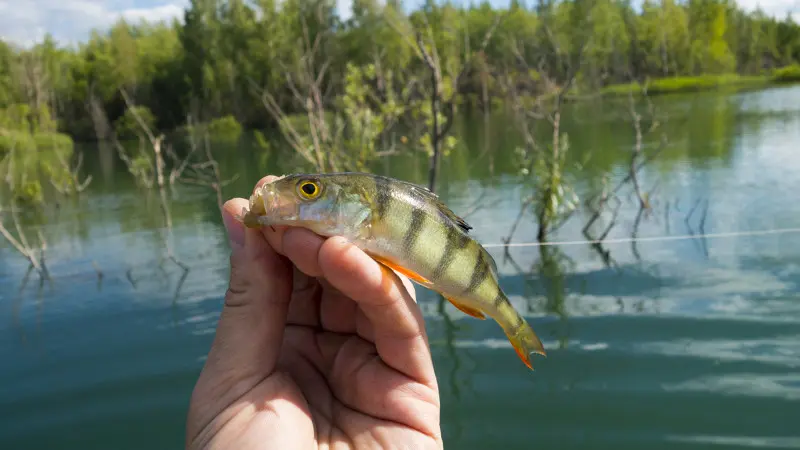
(466, 309)
(410, 274)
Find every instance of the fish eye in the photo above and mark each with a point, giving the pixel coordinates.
(308, 189)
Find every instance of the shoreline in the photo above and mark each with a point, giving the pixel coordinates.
(702, 83)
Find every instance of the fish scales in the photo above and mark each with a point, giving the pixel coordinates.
(427, 237)
(405, 227)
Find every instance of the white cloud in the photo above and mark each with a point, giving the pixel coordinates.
(777, 8)
(344, 8)
(69, 21)
(159, 13)
(774, 8)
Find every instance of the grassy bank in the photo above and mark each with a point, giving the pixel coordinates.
(674, 85)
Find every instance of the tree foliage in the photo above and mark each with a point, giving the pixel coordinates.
(207, 64)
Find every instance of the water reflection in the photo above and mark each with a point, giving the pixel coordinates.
(740, 441)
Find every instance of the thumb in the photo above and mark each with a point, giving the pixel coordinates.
(250, 329)
(251, 325)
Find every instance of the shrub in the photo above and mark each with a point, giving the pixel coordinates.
(787, 74)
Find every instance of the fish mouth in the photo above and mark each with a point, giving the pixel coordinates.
(268, 207)
(278, 210)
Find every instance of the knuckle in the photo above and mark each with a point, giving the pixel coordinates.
(239, 286)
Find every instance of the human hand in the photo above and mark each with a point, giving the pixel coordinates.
(317, 346)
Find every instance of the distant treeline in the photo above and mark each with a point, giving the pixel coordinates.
(216, 61)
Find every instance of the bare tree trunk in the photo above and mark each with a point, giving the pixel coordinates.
(433, 170)
(155, 142)
(432, 61)
(102, 128)
(159, 160)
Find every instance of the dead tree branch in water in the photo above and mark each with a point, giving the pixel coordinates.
(340, 135)
(434, 65)
(169, 249)
(527, 202)
(104, 131)
(597, 210)
(35, 257)
(155, 142)
(440, 104)
(205, 172)
(180, 165)
(638, 160)
(292, 136)
(432, 61)
(142, 173)
(73, 183)
(168, 239)
(306, 83)
(100, 273)
(554, 201)
(196, 167)
(701, 227)
(94, 106)
(636, 155)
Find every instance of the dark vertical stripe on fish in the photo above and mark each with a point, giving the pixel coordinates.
(499, 299)
(414, 228)
(479, 272)
(382, 196)
(501, 302)
(455, 241)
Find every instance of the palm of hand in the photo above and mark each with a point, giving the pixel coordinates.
(348, 374)
(334, 380)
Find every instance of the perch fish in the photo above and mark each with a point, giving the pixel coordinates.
(403, 226)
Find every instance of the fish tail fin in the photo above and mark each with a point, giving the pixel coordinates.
(520, 334)
(525, 342)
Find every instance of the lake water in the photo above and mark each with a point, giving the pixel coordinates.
(673, 343)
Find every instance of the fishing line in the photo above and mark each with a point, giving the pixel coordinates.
(679, 237)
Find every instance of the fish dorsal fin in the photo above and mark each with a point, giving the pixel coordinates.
(445, 210)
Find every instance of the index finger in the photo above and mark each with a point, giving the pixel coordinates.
(399, 329)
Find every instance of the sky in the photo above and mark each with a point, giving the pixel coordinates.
(71, 21)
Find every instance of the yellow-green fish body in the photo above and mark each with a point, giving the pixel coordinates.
(405, 227)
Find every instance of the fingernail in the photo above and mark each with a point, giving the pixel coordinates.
(235, 231)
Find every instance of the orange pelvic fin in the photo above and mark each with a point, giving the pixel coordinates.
(409, 273)
(466, 309)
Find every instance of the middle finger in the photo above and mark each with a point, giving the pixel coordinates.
(304, 307)
(335, 311)
(338, 313)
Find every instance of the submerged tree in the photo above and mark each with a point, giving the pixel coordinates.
(543, 162)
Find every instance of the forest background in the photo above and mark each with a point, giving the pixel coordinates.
(341, 91)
